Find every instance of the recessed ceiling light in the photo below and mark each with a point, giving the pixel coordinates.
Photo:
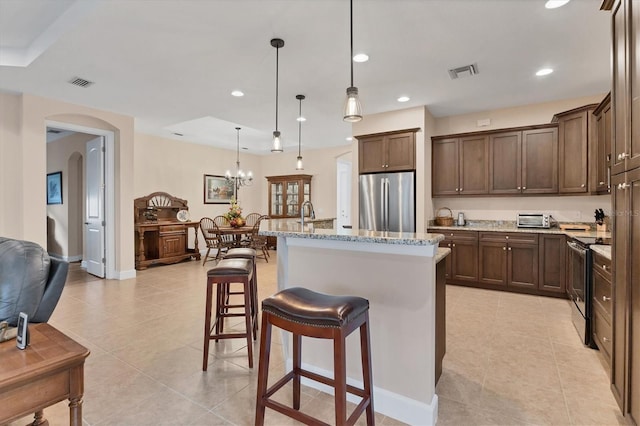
(552, 4)
(237, 93)
(544, 71)
(301, 119)
(361, 57)
(349, 138)
(403, 98)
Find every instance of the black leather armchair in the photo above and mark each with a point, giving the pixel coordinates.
(30, 281)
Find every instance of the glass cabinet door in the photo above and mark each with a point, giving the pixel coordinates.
(276, 198)
(293, 203)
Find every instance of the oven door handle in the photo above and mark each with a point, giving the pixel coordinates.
(575, 247)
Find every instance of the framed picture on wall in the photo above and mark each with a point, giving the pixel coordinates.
(217, 190)
(54, 188)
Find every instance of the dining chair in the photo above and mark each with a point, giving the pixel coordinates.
(213, 239)
(259, 242)
(252, 218)
(228, 239)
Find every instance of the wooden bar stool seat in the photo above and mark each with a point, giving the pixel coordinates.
(249, 253)
(226, 272)
(303, 312)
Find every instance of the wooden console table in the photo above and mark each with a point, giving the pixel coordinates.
(160, 235)
(49, 370)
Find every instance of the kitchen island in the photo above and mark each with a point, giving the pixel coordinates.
(396, 273)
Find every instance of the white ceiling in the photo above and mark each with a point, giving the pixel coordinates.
(172, 64)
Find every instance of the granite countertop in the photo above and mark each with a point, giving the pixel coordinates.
(325, 219)
(510, 226)
(604, 251)
(293, 228)
(441, 253)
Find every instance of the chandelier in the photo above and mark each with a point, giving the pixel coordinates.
(241, 178)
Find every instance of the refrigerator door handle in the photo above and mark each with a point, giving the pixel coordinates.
(386, 204)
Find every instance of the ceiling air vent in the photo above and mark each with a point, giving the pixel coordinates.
(77, 81)
(465, 71)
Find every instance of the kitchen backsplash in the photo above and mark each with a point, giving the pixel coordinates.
(563, 209)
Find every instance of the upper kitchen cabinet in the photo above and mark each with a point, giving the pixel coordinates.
(575, 128)
(524, 161)
(625, 97)
(387, 152)
(600, 150)
(287, 193)
(460, 166)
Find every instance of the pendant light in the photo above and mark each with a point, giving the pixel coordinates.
(299, 162)
(277, 144)
(352, 107)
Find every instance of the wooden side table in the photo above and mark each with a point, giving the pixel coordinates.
(48, 371)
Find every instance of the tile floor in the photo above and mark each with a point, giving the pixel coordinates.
(511, 359)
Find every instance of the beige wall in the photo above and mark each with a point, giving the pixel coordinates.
(23, 139)
(65, 221)
(565, 208)
(178, 168)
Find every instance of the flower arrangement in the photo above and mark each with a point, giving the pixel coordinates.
(234, 215)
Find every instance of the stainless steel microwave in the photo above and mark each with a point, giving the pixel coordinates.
(533, 220)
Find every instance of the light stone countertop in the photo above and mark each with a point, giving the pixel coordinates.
(510, 226)
(323, 219)
(442, 253)
(293, 228)
(604, 251)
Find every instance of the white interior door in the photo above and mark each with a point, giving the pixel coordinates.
(94, 212)
(344, 194)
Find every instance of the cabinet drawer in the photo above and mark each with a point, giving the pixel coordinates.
(458, 235)
(602, 264)
(603, 334)
(602, 292)
(173, 229)
(515, 237)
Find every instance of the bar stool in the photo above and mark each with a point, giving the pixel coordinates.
(249, 253)
(228, 271)
(306, 313)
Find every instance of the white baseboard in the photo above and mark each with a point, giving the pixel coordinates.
(125, 275)
(385, 402)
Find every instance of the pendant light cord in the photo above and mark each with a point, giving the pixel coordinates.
(351, 26)
(299, 127)
(277, 61)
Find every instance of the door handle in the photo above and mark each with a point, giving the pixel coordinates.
(86, 223)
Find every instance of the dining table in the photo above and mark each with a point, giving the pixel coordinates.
(237, 232)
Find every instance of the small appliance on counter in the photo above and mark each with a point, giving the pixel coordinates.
(602, 221)
(534, 220)
(461, 221)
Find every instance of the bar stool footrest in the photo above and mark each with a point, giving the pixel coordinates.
(295, 414)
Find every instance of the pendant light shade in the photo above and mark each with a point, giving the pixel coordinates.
(299, 159)
(352, 107)
(277, 144)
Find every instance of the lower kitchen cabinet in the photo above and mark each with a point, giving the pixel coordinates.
(462, 263)
(552, 255)
(602, 307)
(508, 259)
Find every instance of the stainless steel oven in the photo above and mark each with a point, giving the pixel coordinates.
(579, 285)
(579, 288)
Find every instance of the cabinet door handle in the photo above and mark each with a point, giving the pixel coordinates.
(600, 183)
(582, 186)
(509, 248)
(604, 339)
(623, 185)
(604, 267)
(504, 248)
(518, 188)
(524, 187)
(507, 237)
(453, 244)
(605, 298)
(460, 189)
(623, 155)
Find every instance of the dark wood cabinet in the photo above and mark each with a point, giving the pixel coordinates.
(625, 186)
(600, 150)
(552, 256)
(517, 161)
(509, 259)
(460, 166)
(575, 130)
(602, 307)
(462, 263)
(287, 193)
(387, 152)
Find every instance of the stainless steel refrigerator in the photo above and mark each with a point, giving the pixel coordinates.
(387, 202)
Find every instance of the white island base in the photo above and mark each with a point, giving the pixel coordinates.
(399, 282)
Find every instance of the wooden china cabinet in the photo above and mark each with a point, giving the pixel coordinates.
(287, 193)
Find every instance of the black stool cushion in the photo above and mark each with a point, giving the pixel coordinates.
(231, 267)
(240, 253)
(307, 307)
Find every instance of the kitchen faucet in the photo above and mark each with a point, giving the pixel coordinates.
(312, 214)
